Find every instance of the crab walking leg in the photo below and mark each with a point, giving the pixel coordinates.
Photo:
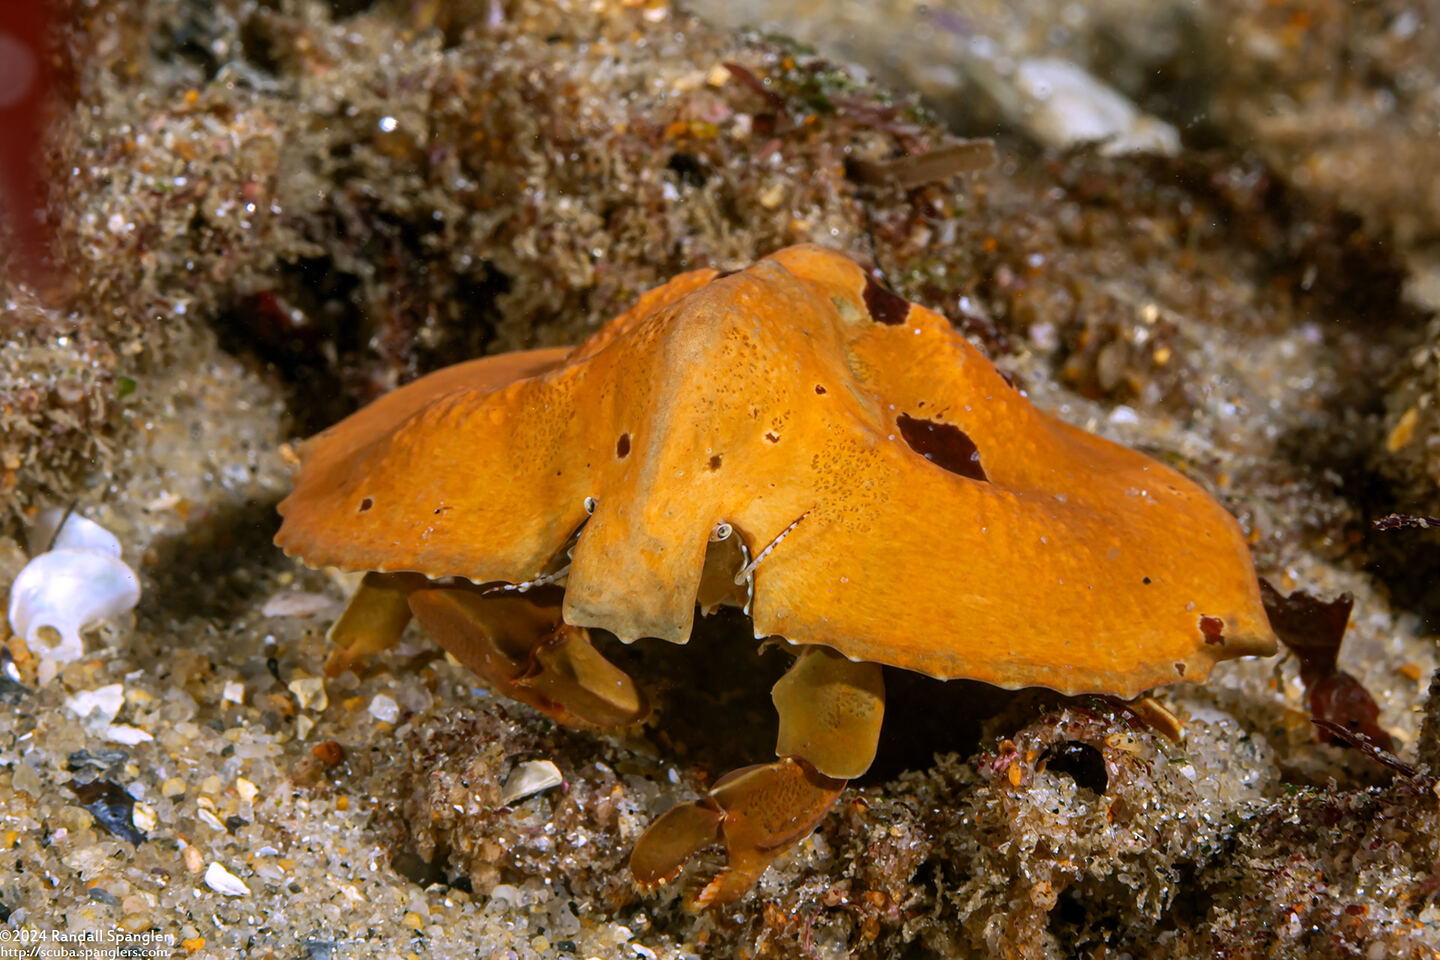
(526, 651)
(374, 619)
(830, 711)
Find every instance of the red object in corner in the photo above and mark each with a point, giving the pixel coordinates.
(24, 80)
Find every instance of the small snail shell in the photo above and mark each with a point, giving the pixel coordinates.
(70, 588)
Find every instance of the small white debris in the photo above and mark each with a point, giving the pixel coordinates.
(126, 734)
(384, 709)
(303, 726)
(166, 501)
(246, 789)
(310, 692)
(220, 880)
(530, 778)
(508, 894)
(234, 692)
(211, 821)
(1065, 105)
(296, 604)
(97, 707)
(1123, 415)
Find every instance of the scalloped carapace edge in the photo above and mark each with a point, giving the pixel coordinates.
(896, 498)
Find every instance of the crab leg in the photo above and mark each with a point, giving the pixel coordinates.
(373, 620)
(523, 648)
(830, 712)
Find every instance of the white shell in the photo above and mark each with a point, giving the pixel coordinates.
(77, 534)
(528, 778)
(72, 587)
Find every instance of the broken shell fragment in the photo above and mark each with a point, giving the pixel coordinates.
(530, 778)
(76, 585)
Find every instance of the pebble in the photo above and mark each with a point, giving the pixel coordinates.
(126, 734)
(384, 708)
(329, 753)
(310, 693)
(144, 817)
(26, 780)
(295, 604)
(246, 789)
(220, 880)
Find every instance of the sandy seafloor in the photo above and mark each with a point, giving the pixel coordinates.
(246, 258)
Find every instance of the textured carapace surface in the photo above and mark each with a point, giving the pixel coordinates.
(897, 499)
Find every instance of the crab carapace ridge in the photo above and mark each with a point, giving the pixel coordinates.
(796, 439)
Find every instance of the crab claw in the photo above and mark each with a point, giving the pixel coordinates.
(759, 813)
(527, 652)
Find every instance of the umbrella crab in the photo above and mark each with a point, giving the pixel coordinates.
(796, 439)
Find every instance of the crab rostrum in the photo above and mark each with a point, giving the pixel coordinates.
(796, 439)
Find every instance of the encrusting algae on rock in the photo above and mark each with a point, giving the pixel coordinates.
(797, 440)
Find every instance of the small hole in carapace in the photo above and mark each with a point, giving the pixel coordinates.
(1080, 762)
(1213, 630)
(622, 446)
(943, 444)
(715, 462)
(884, 305)
(366, 504)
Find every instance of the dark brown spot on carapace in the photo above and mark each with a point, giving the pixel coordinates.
(622, 446)
(1213, 630)
(772, 437)
(884, 305)
(943, 444)
(366, 504)
(819, 390)
(715, 462)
